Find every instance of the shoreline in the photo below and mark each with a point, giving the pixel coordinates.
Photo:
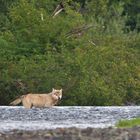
(74, 133)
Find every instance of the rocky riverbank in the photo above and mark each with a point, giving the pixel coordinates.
(74, 134)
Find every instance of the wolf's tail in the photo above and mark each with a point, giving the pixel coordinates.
(17, 101)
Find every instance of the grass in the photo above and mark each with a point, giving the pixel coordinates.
(128, 123)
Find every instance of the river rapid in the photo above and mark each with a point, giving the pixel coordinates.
(64, 117)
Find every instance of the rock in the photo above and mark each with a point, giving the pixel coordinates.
(74, 134)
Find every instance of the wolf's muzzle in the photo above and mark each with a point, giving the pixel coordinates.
(59, 97)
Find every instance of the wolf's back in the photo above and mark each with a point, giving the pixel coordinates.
(17, 101)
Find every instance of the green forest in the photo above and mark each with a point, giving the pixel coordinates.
(89, 48)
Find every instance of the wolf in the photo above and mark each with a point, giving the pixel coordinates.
(39, 100)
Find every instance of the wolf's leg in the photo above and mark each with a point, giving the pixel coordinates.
(26, 104)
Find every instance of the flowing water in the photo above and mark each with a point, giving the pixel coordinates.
(72, 116)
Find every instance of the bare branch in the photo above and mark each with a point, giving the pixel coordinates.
(58, 9)
(42, 18)
(78, 31)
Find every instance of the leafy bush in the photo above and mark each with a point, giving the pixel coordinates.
(89, 55)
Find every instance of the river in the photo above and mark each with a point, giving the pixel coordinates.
(69, 116)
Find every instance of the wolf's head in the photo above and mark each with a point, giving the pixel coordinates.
(57, 93)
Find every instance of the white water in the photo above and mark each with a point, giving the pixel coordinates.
(56, 117)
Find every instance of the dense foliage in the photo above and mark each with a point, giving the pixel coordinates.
(90, 49)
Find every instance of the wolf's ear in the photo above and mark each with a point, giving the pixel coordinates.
(53, 89)
(61, 90)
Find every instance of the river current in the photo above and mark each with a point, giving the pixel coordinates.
(69, 116)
